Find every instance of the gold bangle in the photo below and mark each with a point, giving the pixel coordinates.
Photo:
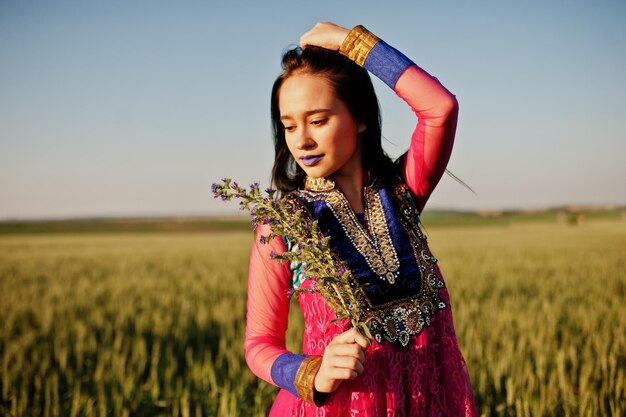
(358, 44)
(305, 377)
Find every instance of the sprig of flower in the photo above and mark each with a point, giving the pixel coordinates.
(333, 281)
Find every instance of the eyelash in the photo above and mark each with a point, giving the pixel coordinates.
(316, 123)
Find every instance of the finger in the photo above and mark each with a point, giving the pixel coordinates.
(353, 364)
(346, 349)
(362, 341)
(339, 373)
(308, 38)
(341, 361)
(304, 39)
(348, 336)
(351, 336)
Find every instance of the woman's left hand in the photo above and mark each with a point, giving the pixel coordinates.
(326, 35)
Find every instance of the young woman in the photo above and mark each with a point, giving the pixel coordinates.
(329, 159)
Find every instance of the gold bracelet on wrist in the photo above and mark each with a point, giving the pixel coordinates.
(305, 377)
(358, 44)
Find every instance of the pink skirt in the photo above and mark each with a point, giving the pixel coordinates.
(428, 377)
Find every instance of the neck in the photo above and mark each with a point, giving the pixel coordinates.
(352, 187)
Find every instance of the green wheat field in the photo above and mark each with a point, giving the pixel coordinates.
(130, 322)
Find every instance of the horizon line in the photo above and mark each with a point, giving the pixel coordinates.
(240, 214)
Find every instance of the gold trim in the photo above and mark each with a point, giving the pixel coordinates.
(380, 232)
(358, 44)
(374, 242)
(396, 320)
(399, 320)
(318, 184)
(305, 377)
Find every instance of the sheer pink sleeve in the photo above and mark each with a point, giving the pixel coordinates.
(268, 306)
(431, 144)
(436, 109)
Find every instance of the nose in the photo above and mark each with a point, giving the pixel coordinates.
(303, 139)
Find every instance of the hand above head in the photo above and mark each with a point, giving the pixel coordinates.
(343, 359)
(326, 35)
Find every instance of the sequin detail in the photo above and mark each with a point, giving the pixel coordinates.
(398, 320)
(395, 321)
(375, 244)
(318, 184)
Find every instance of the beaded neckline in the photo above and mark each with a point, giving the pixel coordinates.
(397, 319)
(374, 241)
(319, 184)
(322, 184)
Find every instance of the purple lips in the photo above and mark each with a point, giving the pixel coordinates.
(310, 160)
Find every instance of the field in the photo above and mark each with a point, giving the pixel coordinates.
(142, 324)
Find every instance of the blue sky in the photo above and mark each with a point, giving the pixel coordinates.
(135, 108)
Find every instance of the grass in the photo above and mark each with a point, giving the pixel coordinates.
(153, 323)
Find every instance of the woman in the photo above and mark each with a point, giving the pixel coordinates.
(329, 159)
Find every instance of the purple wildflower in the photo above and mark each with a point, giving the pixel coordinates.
(290, 292)
(280, 214)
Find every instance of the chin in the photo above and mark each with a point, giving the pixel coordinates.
(314, 175)
(315, 172)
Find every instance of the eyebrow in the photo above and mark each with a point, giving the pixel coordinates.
(308, 113)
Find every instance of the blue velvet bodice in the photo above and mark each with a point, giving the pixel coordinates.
(389, 255)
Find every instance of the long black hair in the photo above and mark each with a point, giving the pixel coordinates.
(353, 86)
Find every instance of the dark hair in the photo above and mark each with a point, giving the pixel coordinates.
(353, 86)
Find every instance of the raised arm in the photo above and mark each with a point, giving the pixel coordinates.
(436, 108)
(431, 143)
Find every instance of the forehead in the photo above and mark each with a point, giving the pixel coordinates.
(303, 92)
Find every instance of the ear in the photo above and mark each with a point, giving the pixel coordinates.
(361, 127)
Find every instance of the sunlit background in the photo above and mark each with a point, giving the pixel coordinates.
(133, 108)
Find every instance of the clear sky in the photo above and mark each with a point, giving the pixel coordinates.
(136, 107)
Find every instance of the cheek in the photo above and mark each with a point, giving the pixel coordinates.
(346, 148)
(290, 146)
(347, 141)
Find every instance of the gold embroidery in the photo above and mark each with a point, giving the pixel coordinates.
(319, 184)
(305, 377)
(375, 244)
(399, 319)
(358, 44)
(375, 215)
